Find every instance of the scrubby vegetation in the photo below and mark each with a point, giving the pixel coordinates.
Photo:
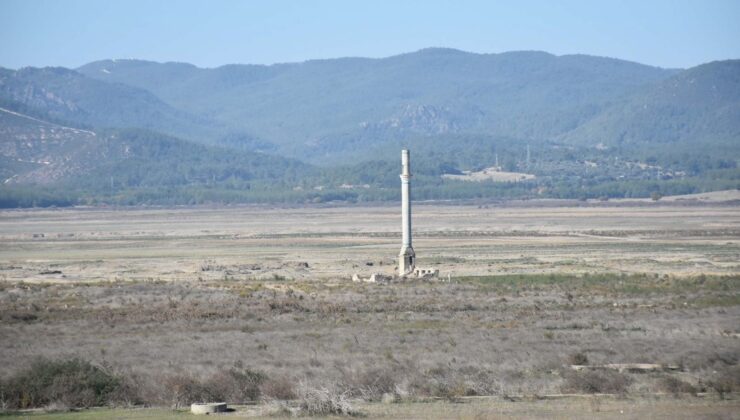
(169, 307)
(324, 402)
(596, 382)
(324, 346)
(63, 383)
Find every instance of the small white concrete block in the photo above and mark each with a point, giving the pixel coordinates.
(207, 408)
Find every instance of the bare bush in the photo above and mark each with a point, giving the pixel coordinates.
(130, 390)
(675, 386)
(322, 401)
(369, 384)
(439, 382)
(727, 381)
(451, 383)
(237, 385)
(232, 385)
(279, 388)
(596, 382)
(211, 265)
(578, 359)
(181, 390)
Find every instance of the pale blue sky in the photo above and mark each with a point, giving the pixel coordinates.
(667, 33)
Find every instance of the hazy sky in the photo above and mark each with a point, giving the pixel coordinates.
(667, 33)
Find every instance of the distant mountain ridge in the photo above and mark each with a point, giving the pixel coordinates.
(66, 94)
(37, 151)
(133, 131)
(311, 107)
(701, 104)
(33, 151)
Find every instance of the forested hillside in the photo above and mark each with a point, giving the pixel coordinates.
(63, 94)
(700, 105)
(138, 132)
(46, 163)
(322, 108)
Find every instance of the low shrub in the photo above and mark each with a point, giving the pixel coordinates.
(675, 386)
(237, 385)
(233, 385)
(440, 382)
(369, 384)
(182, 390)
(320, 401)
(280, 388)
(578, 359)
(726, 382)
(63, 383)
(596, 382)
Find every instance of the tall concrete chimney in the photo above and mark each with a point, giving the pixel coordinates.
(406, 258)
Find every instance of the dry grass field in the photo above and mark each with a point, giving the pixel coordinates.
(586, 408)
(174, 299)
(249, 243)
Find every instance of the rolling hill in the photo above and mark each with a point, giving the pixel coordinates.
(64, 94)
(37, 151)
(132, 131)
(34, 152)
(700, 105)
(322, 108)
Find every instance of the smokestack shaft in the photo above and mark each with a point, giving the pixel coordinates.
(406, 199)
(407, 257)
